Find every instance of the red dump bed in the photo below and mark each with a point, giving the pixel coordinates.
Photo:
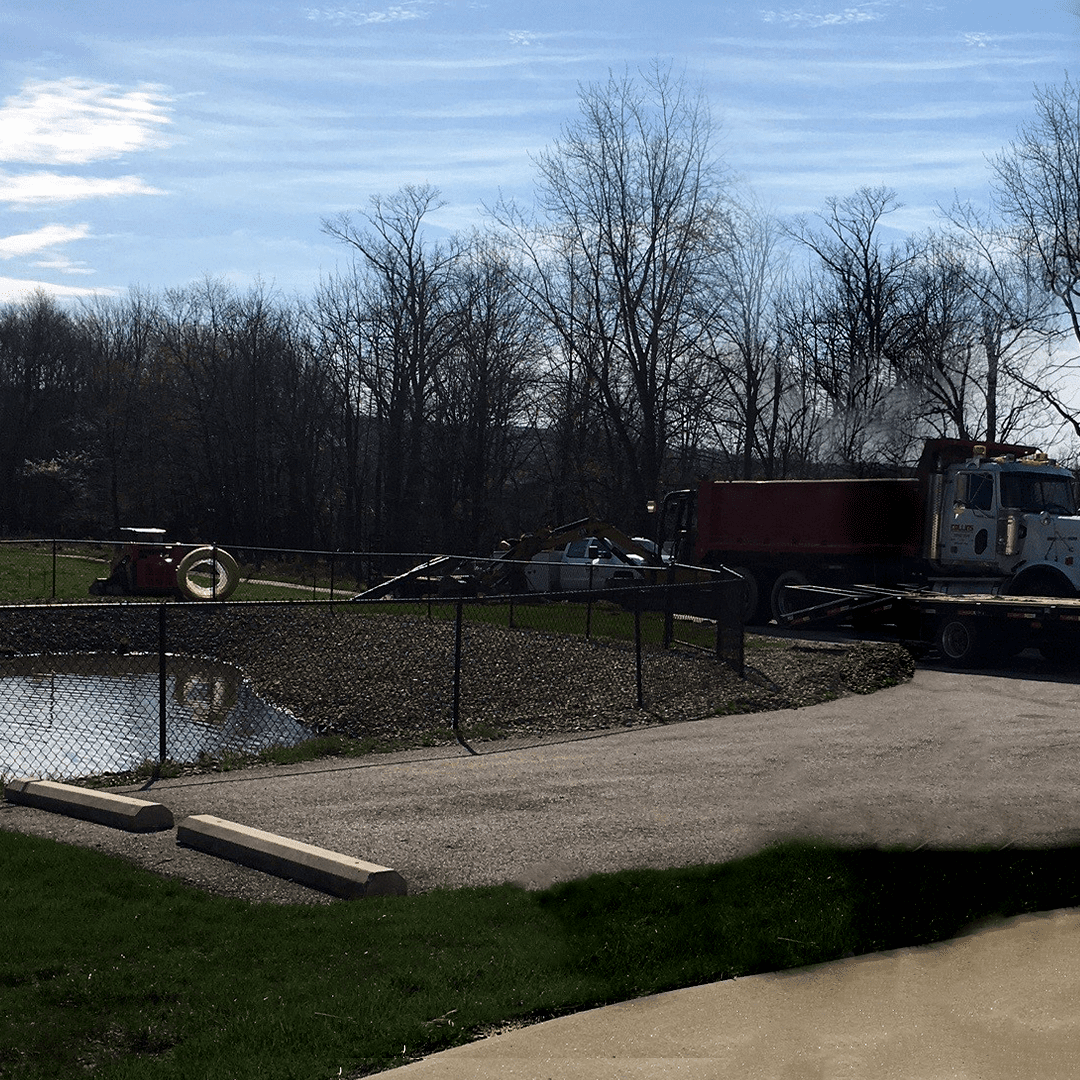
(882, 518)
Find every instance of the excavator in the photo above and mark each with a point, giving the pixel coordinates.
(582, 555)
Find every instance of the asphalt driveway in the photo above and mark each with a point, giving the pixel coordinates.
(950, 759)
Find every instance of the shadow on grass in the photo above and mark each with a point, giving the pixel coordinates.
(107, 969)
(796, 904)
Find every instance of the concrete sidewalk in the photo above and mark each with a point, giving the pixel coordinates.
(1001, 1004)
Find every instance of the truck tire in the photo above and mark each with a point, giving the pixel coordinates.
(965, 642)
(1041, 581)
(751, 596)
(224, 565)
(783, 602)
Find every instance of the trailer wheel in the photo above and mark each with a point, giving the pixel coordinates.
(964, 642)
(213, 562)
(783, 602)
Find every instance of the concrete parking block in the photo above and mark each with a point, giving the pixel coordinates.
(327, 871)
(119, 811)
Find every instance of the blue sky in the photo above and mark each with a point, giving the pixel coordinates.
(152, 144)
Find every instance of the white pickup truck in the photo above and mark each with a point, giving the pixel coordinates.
(583, 564)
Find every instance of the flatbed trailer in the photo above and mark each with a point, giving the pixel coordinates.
(966, 628)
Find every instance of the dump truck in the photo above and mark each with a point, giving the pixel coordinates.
(975, 519)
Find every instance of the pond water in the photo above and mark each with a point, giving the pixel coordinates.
(80, 715)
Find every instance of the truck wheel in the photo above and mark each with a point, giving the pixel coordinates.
(211, 561)
(783, 602)
(964, 642)
(751, 595)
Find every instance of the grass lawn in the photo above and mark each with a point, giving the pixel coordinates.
(107, 970)
(27, 573)
(30, 574)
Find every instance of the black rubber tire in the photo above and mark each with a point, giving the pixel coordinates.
(780, 604)
(752, 596)
(964, 642)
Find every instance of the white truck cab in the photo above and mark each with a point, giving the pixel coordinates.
(1014, 518)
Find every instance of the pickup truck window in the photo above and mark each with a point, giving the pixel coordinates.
(1033, 493)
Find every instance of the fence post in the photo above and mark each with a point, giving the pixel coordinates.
(456, 708)
(588, 607)
(213, 572)
(53, 590)
(637, 645)
(669, 614)
(162, 692)
(730, 633)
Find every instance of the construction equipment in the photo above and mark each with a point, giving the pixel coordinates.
(145, 565)
(581, 555)
(987, 519)
(577, 557)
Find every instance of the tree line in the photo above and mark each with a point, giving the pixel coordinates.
(643, 324)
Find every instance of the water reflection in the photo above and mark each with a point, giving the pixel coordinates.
(78, 715)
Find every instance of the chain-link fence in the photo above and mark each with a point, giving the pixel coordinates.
(32, 571)
(124, 687)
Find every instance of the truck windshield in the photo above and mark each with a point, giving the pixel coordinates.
(1034, 492)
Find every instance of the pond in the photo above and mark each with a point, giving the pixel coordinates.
(65, 716)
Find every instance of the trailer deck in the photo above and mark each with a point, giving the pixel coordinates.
(967, 628)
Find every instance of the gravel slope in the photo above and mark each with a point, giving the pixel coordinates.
(390, 678)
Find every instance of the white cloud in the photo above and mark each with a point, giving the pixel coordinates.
(14, 290)
(860, 13)
(406, 12)
(28, 189)
(75, 121)
(62, 265)
(47, 236)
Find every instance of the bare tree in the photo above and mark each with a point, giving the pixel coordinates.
(628, 202)
(124, 412)
(43, 368)
(482, 395)
(1037, 183)
(1015, 324)
(406, 325)
(846, 327)
(339, 319)
(740, 319)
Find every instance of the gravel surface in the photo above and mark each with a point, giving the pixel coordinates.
(388, 679)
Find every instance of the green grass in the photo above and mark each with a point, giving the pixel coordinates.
(109, 971)
(26, 573)
(603, 619)
(27, 576)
